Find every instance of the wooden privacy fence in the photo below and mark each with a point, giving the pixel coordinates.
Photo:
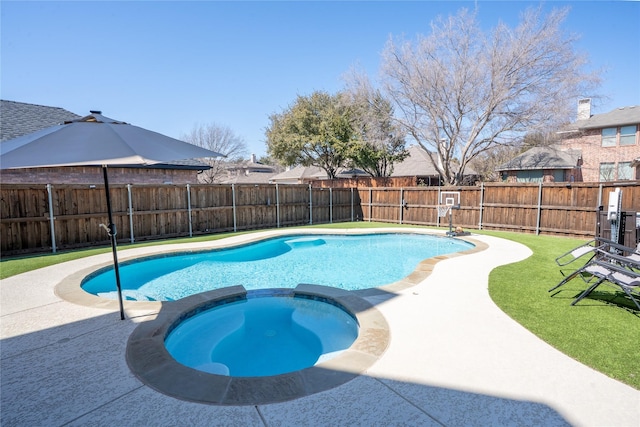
(38, 217)
(559, 209)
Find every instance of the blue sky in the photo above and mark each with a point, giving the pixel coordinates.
(167, 66)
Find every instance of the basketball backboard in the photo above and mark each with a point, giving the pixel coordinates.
(450, 198)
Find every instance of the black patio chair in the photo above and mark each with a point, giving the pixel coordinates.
(590, 250)
(605, 266)
(625, 278)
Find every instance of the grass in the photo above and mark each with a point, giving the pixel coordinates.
(602, 331)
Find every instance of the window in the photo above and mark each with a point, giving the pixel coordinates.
(607, 171)
(529, 176)
(609, 137)
(628, 135)
(558, 175)
(624, 171)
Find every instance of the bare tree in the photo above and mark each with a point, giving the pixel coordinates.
(486, 163)
(217, 138)
(381, 142)
(460, 91)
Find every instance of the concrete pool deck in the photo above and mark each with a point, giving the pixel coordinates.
(454, 359)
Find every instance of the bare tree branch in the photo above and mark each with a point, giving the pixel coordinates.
(220, 139)
(460, 91)
(381, 142)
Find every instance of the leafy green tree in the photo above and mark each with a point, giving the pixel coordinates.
(314, 131)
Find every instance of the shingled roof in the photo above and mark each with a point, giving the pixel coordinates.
(619, 117)
(20, 118)
(551, 157)
(417, 163)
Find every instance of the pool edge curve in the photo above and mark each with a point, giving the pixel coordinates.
(152, 364)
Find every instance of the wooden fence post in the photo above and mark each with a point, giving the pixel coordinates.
(330, 205)
(437, 203)
(310, 206)
(189, 210)
(599, 195)
(481, 203)
(277, 206)
(401, 203)
(351, 204)
(539, 208)
(233, 201)
(51, 218)
(131, 236)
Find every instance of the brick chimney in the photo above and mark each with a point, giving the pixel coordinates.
(584, 109)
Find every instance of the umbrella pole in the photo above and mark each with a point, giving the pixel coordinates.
(111, 230)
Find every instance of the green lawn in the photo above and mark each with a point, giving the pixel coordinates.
(602, 331)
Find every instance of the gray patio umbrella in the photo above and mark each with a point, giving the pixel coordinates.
(96, 140)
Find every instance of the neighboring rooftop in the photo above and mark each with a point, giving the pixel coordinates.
(417, 163)
(252, 178)
(619, 117)
(20, 118)
(250, 166)
(549, 157)
(299, 174)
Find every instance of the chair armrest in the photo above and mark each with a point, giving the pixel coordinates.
(577, 252)
(610, 243)
(606, 256)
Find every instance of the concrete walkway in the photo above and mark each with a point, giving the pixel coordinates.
(454, 359)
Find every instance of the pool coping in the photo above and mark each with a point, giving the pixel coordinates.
(152, 364)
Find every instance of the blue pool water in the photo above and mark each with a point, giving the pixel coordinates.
(262, 336)
(348, 262)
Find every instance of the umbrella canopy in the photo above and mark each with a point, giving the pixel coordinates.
(97, 140)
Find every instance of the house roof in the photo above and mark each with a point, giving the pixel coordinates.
(619, 117)
(417, 163)
(307, 173)
(300, 173)
(20, 118)
(250, 166)
(252, 178)
(550, 157)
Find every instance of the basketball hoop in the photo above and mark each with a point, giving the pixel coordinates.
(443, 210)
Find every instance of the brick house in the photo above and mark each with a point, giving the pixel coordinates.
(595, 148)
(610, 142)
(19, 118)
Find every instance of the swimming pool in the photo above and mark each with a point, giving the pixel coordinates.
(350, 262)
(149, 359)
(264, 334)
